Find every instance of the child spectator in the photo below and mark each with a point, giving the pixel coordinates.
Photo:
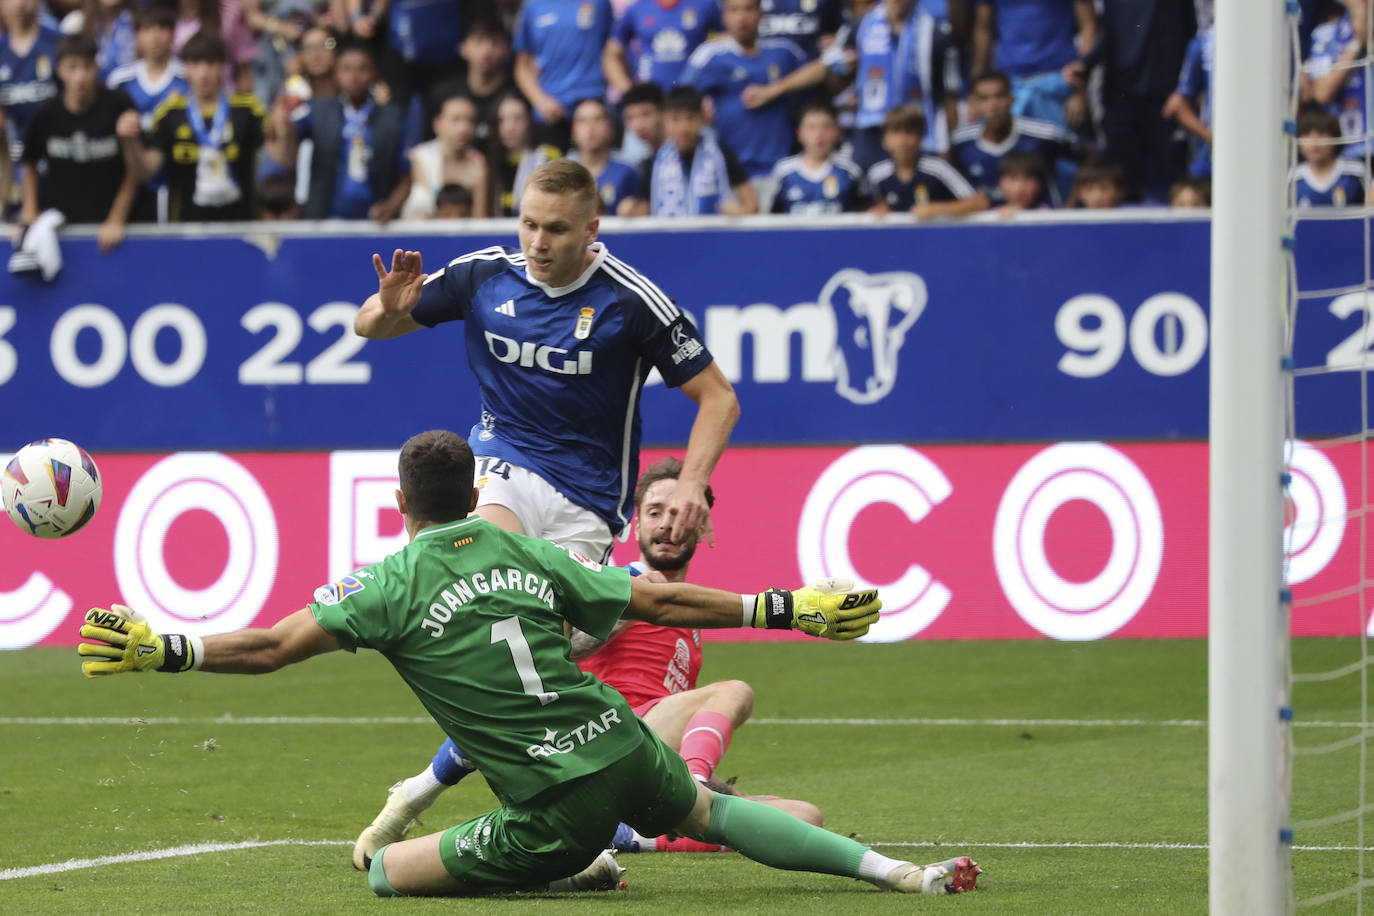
(150, 81)
(74, 159)
(818, 180)
(515, 153)
(617, 181)
(558, 47)
(1323, 178)
(28, 58)
(1099, 186)
(723, 67)
(276, 199)
(449, 159)
(909, 182)
(1020, 182)
(207, 141)
(314, 65)
(666, 36)
(357, 167)
(979, 147)
(453, 201)
(1190, 194)
(641, 111)
(692, 174)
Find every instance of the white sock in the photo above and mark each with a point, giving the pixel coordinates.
(875, 867)
(422, 789)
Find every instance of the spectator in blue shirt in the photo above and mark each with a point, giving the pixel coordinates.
(1334, 78)
(666, 34)
(1033, 41)
(558, 47)
(923, 185)
(617, 181)
(692, 174)
(28, 77)
(1324, 178)
(358, 167)
(810, 24)
(818, 179)
(1191, 103)
(723, 67)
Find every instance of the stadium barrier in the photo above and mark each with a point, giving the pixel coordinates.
(224, 363)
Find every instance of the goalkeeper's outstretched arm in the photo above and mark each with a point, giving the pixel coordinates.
(831, 608)
(119, 640)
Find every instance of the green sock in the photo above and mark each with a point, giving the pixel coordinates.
(780, 840)
(376, 877)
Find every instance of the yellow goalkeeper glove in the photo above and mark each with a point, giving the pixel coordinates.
(830, 608)
(123, 641)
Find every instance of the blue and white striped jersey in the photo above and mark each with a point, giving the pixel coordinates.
(147, 94)
(561, 370)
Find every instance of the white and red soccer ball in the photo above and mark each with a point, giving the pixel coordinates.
(51, 488)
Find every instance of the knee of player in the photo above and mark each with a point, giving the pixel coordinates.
(809, 813)
(741, 698)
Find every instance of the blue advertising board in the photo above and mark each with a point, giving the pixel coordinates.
(830, 332)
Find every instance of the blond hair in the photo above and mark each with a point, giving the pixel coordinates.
(563, 176)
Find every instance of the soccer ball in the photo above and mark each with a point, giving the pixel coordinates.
(51, 488)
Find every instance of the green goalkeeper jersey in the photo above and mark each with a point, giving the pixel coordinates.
(471, 617)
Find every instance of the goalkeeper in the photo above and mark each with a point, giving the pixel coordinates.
(472, 619)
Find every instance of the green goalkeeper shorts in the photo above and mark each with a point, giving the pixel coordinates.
(559, 831)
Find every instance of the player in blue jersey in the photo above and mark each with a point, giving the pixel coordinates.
(818, 180)
(1324, 178)
(561, 336)
(149, 81)
(978, 148)
(666, 33)
(558, 47)
(898, 54)
(810, 24)
(617, 181)
(28, 77)
(909, 182)
(1191, 103)
(723, 67)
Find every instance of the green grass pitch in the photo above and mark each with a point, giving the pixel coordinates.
(1038, 802)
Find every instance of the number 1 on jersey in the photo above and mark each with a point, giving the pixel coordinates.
(509, 632)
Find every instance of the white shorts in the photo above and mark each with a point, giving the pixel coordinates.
(543, 511)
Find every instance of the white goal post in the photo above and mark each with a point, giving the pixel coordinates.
(1246, 807)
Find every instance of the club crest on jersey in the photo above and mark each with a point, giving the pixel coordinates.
(586, 15)
(584, 324)
(335, 592)
(872, 313)
(689, 19)
(42, 68)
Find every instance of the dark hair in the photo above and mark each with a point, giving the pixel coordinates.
(667, 469)
(79, 45)
(1022, 162)
(154, 16)
(1101, 170)
(488, 26)
(683, 98)
(642, 92)
(436, 470)
(205, 46)
(992, 75)
(905, 119)
(276, 195)
(452, 195)
(816, 106)
(1201, 185)
(358, 46)
(1316, 121)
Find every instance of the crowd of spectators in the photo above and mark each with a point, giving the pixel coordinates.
(118, 111)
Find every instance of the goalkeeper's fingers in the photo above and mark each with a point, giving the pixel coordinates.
(100, 650)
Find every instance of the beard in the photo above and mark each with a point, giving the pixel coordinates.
(666, 564)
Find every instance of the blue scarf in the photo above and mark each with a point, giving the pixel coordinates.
(673, 193)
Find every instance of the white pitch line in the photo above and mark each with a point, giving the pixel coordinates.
(425, 720)
(171, 852)
(197, 849)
